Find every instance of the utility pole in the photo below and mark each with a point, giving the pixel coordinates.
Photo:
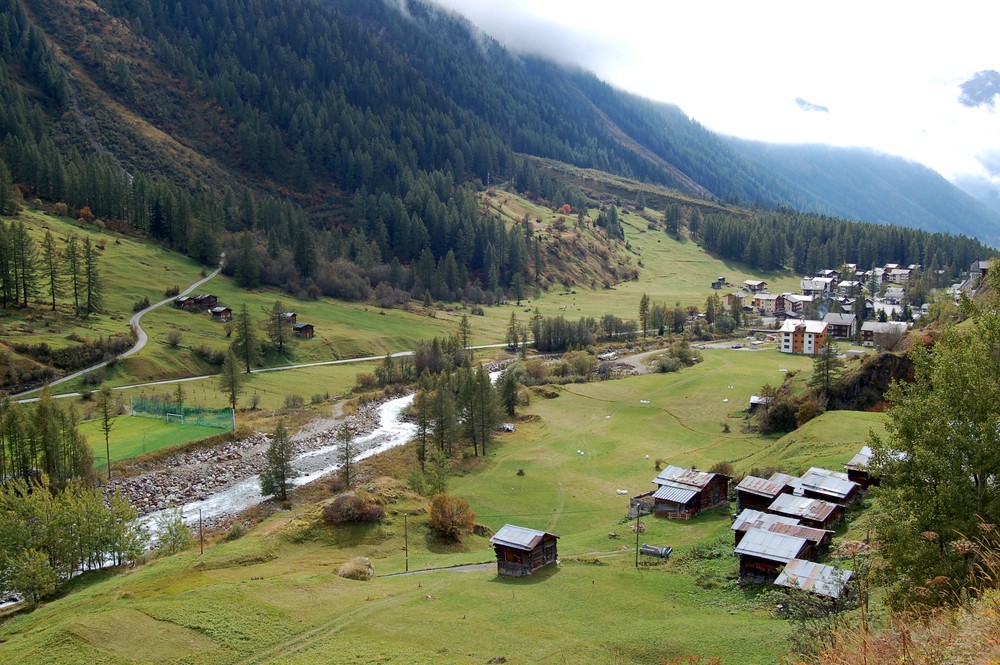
(406, 542)
(638, 512)
(201, 532)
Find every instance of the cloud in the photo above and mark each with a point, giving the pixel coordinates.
(809, 106)
(981, 90)
(990, 160)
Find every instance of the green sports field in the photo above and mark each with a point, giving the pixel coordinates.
(132, 436)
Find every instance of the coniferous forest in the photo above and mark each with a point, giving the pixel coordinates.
(347, 144)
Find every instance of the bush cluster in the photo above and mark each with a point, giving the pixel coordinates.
(353, 508)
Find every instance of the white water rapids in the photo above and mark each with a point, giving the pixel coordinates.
(391, 432)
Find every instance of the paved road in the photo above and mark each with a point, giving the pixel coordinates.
(141, 338)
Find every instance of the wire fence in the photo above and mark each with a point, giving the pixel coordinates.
(174, 412)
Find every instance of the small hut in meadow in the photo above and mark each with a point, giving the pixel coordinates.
(521, 551)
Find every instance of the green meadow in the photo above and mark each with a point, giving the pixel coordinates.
(132, 436)
(273, 596)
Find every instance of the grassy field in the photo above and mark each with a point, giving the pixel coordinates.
(273, 596)
(132, 436)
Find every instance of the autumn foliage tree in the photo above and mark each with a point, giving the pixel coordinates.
(451, 517)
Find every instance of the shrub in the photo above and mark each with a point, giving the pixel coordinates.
(353, 508)
(317, 399)
(173, 338)
(294, 401)
(667, 364)
(173, 534)
(140, 304)
(236, 531)
(359, 568)
(172, 291)
(451, 517)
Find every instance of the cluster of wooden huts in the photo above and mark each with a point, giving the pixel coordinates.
(204, 302)
(784, 523)
(683, 493)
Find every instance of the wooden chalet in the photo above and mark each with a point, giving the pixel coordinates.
(764, 554)
(816, 513)
(754, 519)
(858, 468)
(683, 493)
(221, 312)
(832, 486)
(205, 301)
(291, 318)
(521, 551)
(304, 330)
(184, 302)
(757, 493)
(815, 578)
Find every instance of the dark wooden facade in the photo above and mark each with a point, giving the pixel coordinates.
(522, 551)
(304, 330)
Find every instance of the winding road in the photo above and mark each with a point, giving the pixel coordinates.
(141, 337)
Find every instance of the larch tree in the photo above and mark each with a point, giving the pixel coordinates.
(245, 345)
(107, 410)
(275, 479)
(278, 327)
(93, 286)
(345, 453)
(644, 313)
(74, 271)
(51, 265)
(231, 379)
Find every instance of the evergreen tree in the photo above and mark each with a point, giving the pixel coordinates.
(345, 454)
(827, 367)
(231, 379)
(53, 274)
(644, 314)
(74, 270)
(276, 477)
(279, 327)
(93, 287)
(245, 344)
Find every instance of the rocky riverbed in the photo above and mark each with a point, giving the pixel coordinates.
(195, 474)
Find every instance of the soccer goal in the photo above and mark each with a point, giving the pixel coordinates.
(177, 418)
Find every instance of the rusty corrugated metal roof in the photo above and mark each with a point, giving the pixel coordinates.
(760, 486)
(801, 507)
(689, 477)
(814, 577)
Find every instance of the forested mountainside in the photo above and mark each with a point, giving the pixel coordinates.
(335, 147)
(863, 184)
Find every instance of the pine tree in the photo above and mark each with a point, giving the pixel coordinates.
(92, 285)
(345, 454)
(245, 345)
(275, 479)
(231, 379)
(74, 268)
(53, 274)
(644, 313)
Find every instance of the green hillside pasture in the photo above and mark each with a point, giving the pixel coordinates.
(130, 270)
(672, 271)
(132, 436)
(828, 441)
(265, 600)
(273, 596)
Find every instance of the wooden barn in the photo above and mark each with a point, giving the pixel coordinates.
(221, 313)
(816, 513)
(763, 555)
(857, 468)
(521, 551)
(683, 493)
(205, 301)
(291, 318)
(757, 493)
(304, 330)
(788, 526)
(184, 302)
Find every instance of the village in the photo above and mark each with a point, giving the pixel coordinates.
(869, 307)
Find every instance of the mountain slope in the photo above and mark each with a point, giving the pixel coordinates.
(337, 106)
(869, 186)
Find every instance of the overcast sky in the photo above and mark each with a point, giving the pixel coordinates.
(881, 74)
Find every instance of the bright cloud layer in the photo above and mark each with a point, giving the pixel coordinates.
(888, 73)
